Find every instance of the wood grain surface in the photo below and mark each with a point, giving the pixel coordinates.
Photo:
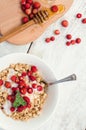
(11, 15)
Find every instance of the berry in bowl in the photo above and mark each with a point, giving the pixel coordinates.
(26, 102)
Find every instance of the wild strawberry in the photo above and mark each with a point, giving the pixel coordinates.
(36, 5)
(26, 99)
(32, 78)
(64, 23)
(39, 88)
(25, 19)
(13, 78)
(34, 69)
(23, 91)
(12, 109)
(7, 84)
(1, 82)
(34, 85)
(30, 90)
(54, 8)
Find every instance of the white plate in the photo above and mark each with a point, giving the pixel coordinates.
(50, 105)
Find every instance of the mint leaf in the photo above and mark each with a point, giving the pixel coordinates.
(19, 100)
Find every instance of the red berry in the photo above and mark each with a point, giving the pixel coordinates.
(34, 11)
(34, 69)
(72, 42)
(22, 83)
(7, 84)
(39, 88)
(9, 97)
(33, 78)
(26, 99)
(84, 21)
(23, 7)
(68, 36)
(34, 85)
(52, 38)
(47, 40)
(1, 82)
(29, 1)
(30, 90)
(36, 5)
(12, 109)
(27, 5)
(28, 11)
(13, 78)
(54, 8)
(79, 15)
(29, 73)
(64, 23)
(25, 19)
(29, 105)
(68, 43)
(78, 40)
(24, 73)
(21, 108)
(23, 2)
(57, 32)
(31, 16)
(23, 90)
(21, 78)
(14, 89)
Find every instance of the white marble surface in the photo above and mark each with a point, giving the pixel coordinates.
(71, 109)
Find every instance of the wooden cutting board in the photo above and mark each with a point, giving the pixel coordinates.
(10, 17)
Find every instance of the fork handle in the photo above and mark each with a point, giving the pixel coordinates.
(16, 31)
(69, 78)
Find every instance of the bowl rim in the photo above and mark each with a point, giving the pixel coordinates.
(41, 60)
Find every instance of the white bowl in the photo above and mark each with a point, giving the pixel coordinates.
(50, 105)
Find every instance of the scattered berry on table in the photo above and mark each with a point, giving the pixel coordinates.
(79, 15)
(56, 32)
(78, 40)
(65, 23)
(52, 38)
(84, 21)
(68, 36)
